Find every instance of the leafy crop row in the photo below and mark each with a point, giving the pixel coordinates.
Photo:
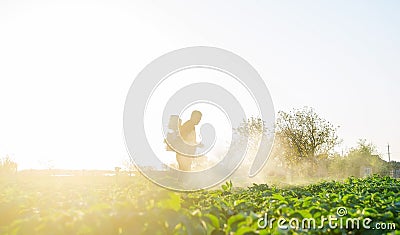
(142, 208)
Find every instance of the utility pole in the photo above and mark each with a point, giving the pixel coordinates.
(391, 169)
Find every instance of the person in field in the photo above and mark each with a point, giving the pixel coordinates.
(188, 134)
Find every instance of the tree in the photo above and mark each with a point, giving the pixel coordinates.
(129, 166)
(337, 167)
(8, 166)
(252, 129)
(304, 137)
(250, 132)
(365, 154)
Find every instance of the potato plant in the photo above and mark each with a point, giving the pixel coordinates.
(131, 205)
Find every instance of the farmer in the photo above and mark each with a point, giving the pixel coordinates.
(188, 134)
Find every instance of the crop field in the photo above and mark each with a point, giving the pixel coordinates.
(132, 205)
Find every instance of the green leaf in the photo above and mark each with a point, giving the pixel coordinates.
(212, 219)
(173, 202)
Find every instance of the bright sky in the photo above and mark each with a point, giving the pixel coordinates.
(66, 67)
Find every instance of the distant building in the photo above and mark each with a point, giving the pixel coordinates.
(395, 169)
(366, 170)
(396, 173)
